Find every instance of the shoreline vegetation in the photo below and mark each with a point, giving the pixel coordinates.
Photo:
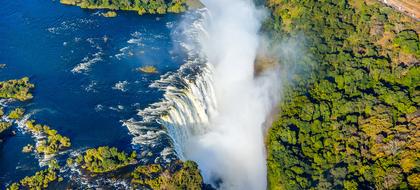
(49, 141)
(40, 180)
(17, 89)
(140, 6)
(349, 119)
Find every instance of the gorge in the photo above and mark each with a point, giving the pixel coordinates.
(181, 94)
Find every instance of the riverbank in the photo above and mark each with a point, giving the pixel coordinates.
(149, 7)
(409, 7)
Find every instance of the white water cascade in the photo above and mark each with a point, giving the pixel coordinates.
(214, 107)
(188, 102)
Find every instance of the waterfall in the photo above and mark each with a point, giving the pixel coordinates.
(191, 108)
(214, 107)
(188, 102)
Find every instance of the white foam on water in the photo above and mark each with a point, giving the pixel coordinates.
(121, 86)
(91, 87)
(183, 90)
(70, 25)
(86, 63)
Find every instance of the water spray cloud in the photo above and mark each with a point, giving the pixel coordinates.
(231, 152)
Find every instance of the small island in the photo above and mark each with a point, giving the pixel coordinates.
(16, 113)
(147, 69)
(40, 180)
(52, 141)
(175, 175)
(109, 14)
(28, 148)
(4, 126)
(104, 159)
(16, 89)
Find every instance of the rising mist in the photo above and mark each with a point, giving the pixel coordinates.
(231, 153)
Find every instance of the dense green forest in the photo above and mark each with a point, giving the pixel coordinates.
(349, 118)
(141, 6)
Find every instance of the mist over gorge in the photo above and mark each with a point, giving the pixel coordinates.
(230, 149)
(211, 94)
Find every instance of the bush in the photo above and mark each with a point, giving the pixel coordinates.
(105, 159)
(16, 113)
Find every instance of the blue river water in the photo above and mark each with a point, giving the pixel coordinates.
(84, 68)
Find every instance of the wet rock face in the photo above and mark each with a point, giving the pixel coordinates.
(194, 4)
(264, 62)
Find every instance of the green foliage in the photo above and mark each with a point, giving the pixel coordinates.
(52, 142)
(105, 159)
(14, 186)
(40, 180)
(177, 175)
(414, 180)
(69, 161)
(4, 126)
(351, 122)
(16, 89)
(16, 113)
(408, 41)
(141, 6)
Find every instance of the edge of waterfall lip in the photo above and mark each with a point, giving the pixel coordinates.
(149, 135)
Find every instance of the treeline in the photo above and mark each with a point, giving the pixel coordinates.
(349, 118)
(141, 6)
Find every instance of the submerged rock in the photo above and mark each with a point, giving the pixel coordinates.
(28, 148)
(263, 63)
(109, 14)
(194, 4)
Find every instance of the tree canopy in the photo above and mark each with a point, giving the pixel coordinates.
(349, 118)
(141, 6)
